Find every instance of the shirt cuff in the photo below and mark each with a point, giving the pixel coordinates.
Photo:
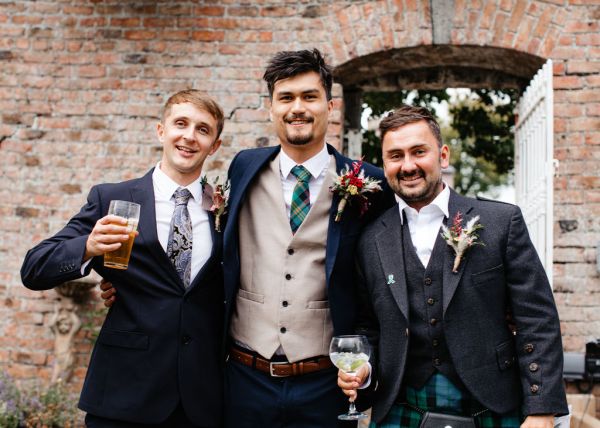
(367, 382)
(85, 265)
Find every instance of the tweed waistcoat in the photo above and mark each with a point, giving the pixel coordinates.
(282, 300)
(427, 349)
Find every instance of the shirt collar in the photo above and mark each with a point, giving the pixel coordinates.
(314, 165)
(164, 186)
(440, 201)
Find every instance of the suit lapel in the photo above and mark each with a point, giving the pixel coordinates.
(143, 194)
(335, 228)
(238, 190)
(456, 204)
(389, 247)
(214, 254)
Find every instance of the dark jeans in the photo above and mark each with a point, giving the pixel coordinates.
(254, 399)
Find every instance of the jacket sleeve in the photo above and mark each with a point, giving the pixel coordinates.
(538, 338)
(58, 259)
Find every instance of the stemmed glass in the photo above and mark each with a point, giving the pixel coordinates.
(348, 353)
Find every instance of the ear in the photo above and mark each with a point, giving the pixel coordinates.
(445, 156)
(215, 147)
(329, 106)
(160, 131)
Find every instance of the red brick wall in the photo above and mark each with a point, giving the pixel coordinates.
(81, 83)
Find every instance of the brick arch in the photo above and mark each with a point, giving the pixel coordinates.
(438, 67)
(529, 26)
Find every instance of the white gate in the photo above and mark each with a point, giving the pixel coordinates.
(534, 163)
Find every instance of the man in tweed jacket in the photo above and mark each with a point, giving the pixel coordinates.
(438, 322)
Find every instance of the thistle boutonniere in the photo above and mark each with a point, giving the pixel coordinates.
(215, 199)
(461, 238)
(351, 185)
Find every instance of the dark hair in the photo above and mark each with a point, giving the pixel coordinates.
(287, 64)
(199, 99)
(405, 115)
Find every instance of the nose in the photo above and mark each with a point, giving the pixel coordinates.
(297, 105)
(408, 164)
(189, 133)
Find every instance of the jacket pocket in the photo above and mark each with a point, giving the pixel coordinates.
(124, 339)
(248, 295)
(488, 274)
(506, 355)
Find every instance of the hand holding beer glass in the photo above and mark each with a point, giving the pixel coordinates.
(113, 234)
(130, 211)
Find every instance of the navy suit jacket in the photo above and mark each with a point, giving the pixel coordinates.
(342, 236)
(160, 343)
(503, 371)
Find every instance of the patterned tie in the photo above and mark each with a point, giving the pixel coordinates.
(300, 197)
(179, 248)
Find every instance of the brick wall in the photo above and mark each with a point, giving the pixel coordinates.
(81, 83)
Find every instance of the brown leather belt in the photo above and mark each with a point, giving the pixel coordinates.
(280, 369)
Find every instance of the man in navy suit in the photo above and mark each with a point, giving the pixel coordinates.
(157, 361)
(289, 285)
(436, 316)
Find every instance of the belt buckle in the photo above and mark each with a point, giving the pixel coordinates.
(273, 363)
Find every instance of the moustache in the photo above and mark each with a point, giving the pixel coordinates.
(418, 173)
(299, 117)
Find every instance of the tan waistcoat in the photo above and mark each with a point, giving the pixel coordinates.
(272, 310)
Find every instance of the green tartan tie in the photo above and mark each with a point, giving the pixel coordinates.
(300, 197)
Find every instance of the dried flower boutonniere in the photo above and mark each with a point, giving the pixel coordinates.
(352, 183)
(461, 238)
(215, 199)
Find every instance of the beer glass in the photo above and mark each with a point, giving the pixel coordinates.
(119, 259)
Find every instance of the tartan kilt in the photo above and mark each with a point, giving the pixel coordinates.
(440, 395)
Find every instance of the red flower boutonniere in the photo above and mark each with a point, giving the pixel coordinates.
(351, 185)
(215, 199)
(461, 238)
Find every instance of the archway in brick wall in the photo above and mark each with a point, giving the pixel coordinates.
(476, 67)
(432, 67)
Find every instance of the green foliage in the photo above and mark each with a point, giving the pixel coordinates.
(485, 125)
(36, 406)
(480, 133)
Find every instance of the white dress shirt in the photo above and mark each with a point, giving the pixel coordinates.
(164, 204)
(318, 166)
(424, 225)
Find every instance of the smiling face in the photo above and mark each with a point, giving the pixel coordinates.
(413, 162)
(188, 135)
(300, 113)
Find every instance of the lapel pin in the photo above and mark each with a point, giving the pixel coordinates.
(390, 280)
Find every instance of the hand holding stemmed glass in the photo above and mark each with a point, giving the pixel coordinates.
(349, 353)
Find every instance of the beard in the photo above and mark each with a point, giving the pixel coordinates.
(425, 192)
(299, 139)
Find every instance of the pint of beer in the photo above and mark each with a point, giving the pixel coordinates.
(119, 259)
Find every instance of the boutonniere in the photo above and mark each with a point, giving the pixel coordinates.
(461, 238)
(215, 199)
(351, 185)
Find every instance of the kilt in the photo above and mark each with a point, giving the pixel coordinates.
(440, 395)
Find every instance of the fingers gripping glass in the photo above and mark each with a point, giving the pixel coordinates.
(349, 353)
(119, 259)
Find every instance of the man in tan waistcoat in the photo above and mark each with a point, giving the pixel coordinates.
(287, 262)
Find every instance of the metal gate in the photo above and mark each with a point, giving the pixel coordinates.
(534, 162)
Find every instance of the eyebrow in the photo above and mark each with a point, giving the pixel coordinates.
(307, 91)
(417, 146)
